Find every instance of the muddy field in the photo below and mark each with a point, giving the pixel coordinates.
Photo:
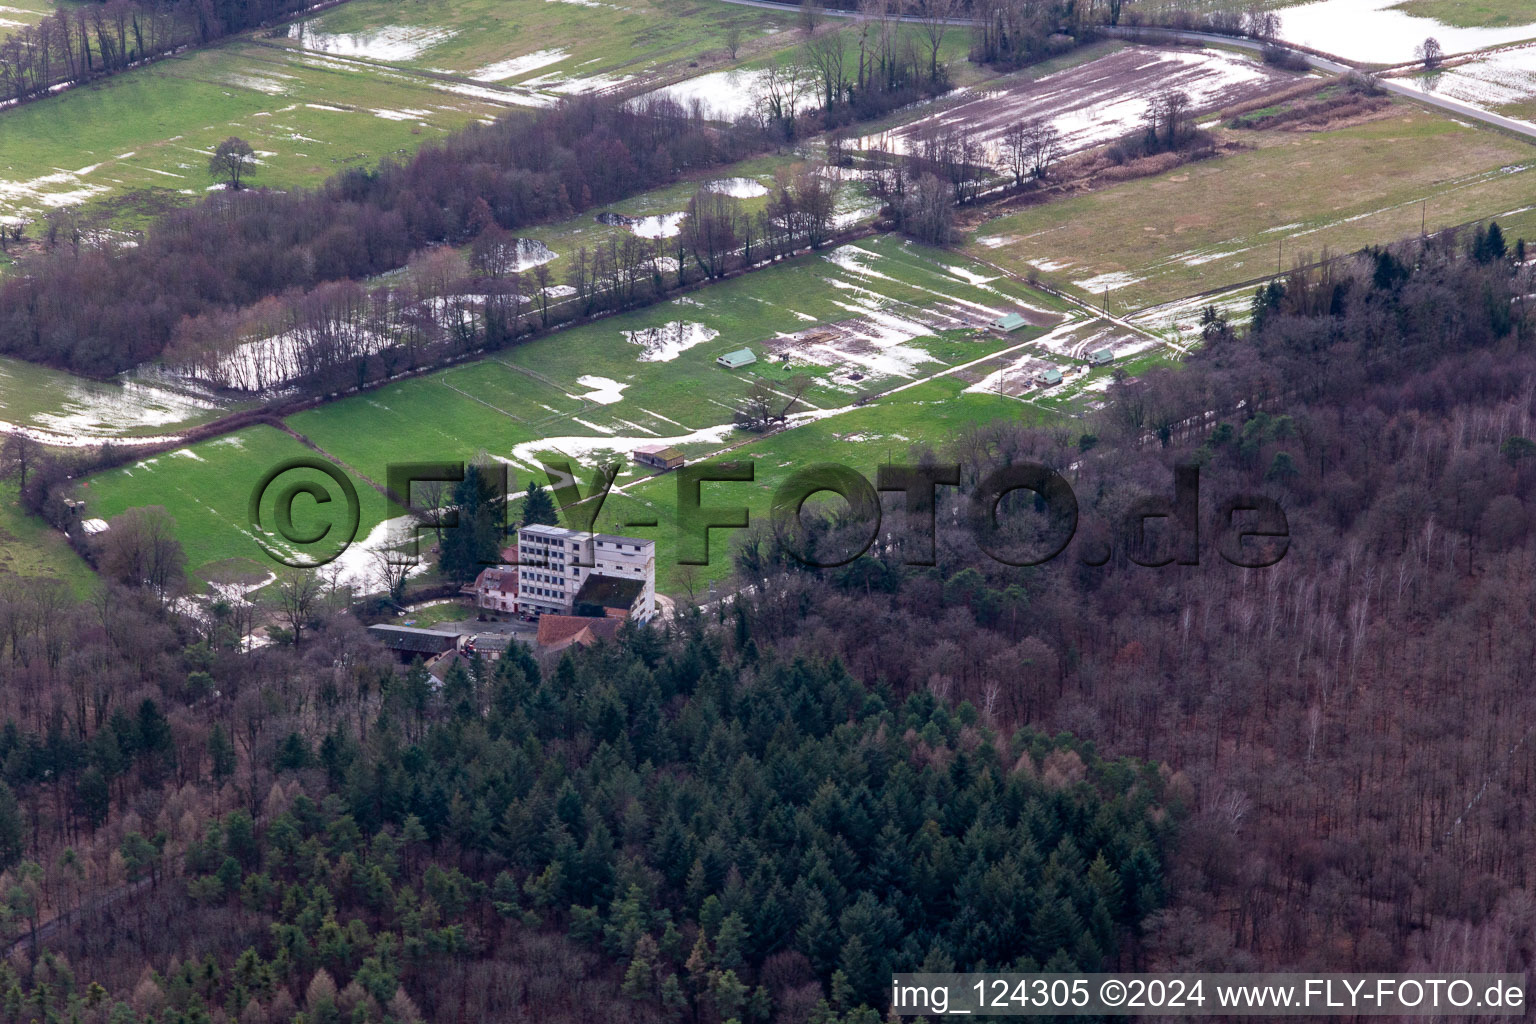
(878, 344)
(1096, 102)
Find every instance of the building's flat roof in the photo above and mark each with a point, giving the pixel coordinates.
(609, 591)
(622, 540)
(540, 530)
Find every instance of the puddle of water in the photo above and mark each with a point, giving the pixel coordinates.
(738, 188)
(665, 343)
(661, 225)
(518, 66)
(723, 95)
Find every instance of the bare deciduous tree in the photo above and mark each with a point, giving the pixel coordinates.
(934, 18)
(1029, 147)
(298, 590)
(18, 457)
(810, 15)
(390, 571)
(232, 162)
(1429, 53)
(139, 549)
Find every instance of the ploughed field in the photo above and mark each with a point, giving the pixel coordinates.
(1093, 103)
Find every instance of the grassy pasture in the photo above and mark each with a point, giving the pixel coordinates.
(1471, 13)
(82, 409)
(147, 134)
(575, 38)
(891, 430)
(1216, 223)
(29, 547)
(135, 144)
(585, 395)
(207, 490)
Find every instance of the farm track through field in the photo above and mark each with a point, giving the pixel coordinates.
(341, 463)
(481, 401)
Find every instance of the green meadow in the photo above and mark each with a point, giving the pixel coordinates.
(573, 39)
(1213, 224)
(586, 395)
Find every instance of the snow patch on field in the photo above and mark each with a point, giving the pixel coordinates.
(662, 225)
(592, 450)
(665, 343)
(1107, 282)
(516, 67)
(90, 411)
(723, 95)
(530, 253)
(391, 42)
(1182, 318)
(271, 83)
(603, 391)
(355, 565)
(401, 115)
(514, 95)
(60, 188)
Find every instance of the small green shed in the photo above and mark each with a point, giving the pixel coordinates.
(737, 359)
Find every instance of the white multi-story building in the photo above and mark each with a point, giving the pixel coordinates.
(559, 570)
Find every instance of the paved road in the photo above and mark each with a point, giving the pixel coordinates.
(1315, 61)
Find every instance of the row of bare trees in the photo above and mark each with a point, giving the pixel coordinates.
(98, 309)
(342, 335)
(76, 44)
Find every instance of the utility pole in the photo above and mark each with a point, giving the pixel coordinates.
(1280, 258)
(1424, 218)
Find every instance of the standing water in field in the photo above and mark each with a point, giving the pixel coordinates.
(1374, 31)
(392, 42)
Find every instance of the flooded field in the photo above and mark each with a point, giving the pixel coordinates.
(1094, 103)
(723, 95)
(64, 410)
(1503, 81)
(1379, 32)
(387, 43)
